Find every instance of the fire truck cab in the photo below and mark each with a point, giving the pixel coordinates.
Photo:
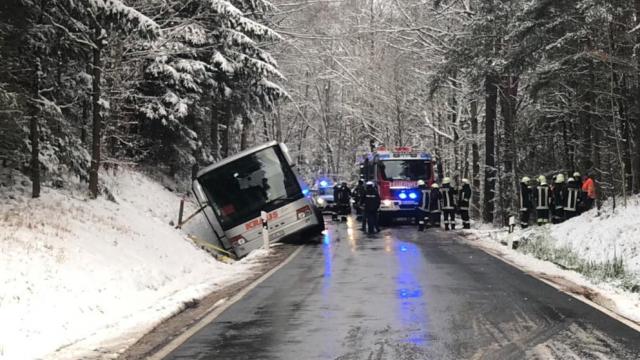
(396, 172)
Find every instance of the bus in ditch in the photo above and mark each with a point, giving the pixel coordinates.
(395, 173)
(235, 190)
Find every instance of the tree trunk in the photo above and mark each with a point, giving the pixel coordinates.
(508, 102)
(475, 159)
(635, 162)
(215, 129)
(227, 115)
(491, 94)
(97, 121)
(244, 135)
(34, 134)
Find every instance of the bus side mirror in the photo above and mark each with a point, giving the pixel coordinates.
(199, 193)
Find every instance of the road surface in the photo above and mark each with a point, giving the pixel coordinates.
(402, 294)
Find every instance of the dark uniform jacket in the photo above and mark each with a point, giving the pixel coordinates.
(526, 195)
(464, 197)
(435, 200)
(342, 195)
(424, 199)
(559, 196)
(358, 194)
(572, 196)
(541, 196)
(448, 197)
(371, 200)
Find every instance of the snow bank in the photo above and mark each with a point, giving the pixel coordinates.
(622, 302)
(592, 244)
(613, 234)
(85, 277)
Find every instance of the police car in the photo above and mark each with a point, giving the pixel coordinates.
(322, 192)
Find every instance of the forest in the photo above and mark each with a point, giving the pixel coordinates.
(494, 89)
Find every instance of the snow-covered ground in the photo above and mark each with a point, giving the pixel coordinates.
(599, 251)
(89, 277)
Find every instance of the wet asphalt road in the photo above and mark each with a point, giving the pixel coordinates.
(406, 295)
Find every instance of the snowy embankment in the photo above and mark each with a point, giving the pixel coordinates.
(83, 277)
(600, 252)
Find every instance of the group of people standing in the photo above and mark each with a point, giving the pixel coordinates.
(554, 202)
(558, 201)
(444, 200)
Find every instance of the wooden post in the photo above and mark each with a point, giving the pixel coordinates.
(180, 212)
(265, 229)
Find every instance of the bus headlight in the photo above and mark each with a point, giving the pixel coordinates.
(238, 240)
(413, 196)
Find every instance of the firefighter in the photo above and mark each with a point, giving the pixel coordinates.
(371, 206)
(343, 201)
(358, 196)
(588, 192)
(572, 194)
(422, 212)
(525, 202)
(448, 204)
(542, 196)
(464, 200)
(435, 206)
(558, 196)
(578, 179)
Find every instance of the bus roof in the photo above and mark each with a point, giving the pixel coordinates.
(236, 157)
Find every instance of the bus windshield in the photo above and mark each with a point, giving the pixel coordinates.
(238, 191)
(405, 170)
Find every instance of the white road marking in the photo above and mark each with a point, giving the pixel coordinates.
(216, 310)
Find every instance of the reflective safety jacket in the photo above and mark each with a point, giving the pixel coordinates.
(424, 199)
(571, 196)
(464, 197)
(435, 199)
(448, 197)
(525, 197)
(590, 188)
(542, 197)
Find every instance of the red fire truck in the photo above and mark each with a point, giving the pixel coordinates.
(396, 172)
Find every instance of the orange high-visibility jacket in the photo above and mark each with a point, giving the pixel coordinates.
(590, 188)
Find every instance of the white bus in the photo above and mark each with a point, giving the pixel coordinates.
(236, 190)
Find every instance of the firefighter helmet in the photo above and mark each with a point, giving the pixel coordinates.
(576, 174)
(542, 180)
(525, 180)
(570, 179)
(465, 181)
(435, 186)
(446, 181)
(559, 178)
(421, 183)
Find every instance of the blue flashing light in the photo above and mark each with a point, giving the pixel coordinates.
(402, 196)
(413, 196)
(425, 156)
(403, 248)
(305, 192)
(324, 183)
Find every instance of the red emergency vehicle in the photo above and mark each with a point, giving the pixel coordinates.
(396, 172)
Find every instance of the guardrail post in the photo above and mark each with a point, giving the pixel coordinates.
(265, 229)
